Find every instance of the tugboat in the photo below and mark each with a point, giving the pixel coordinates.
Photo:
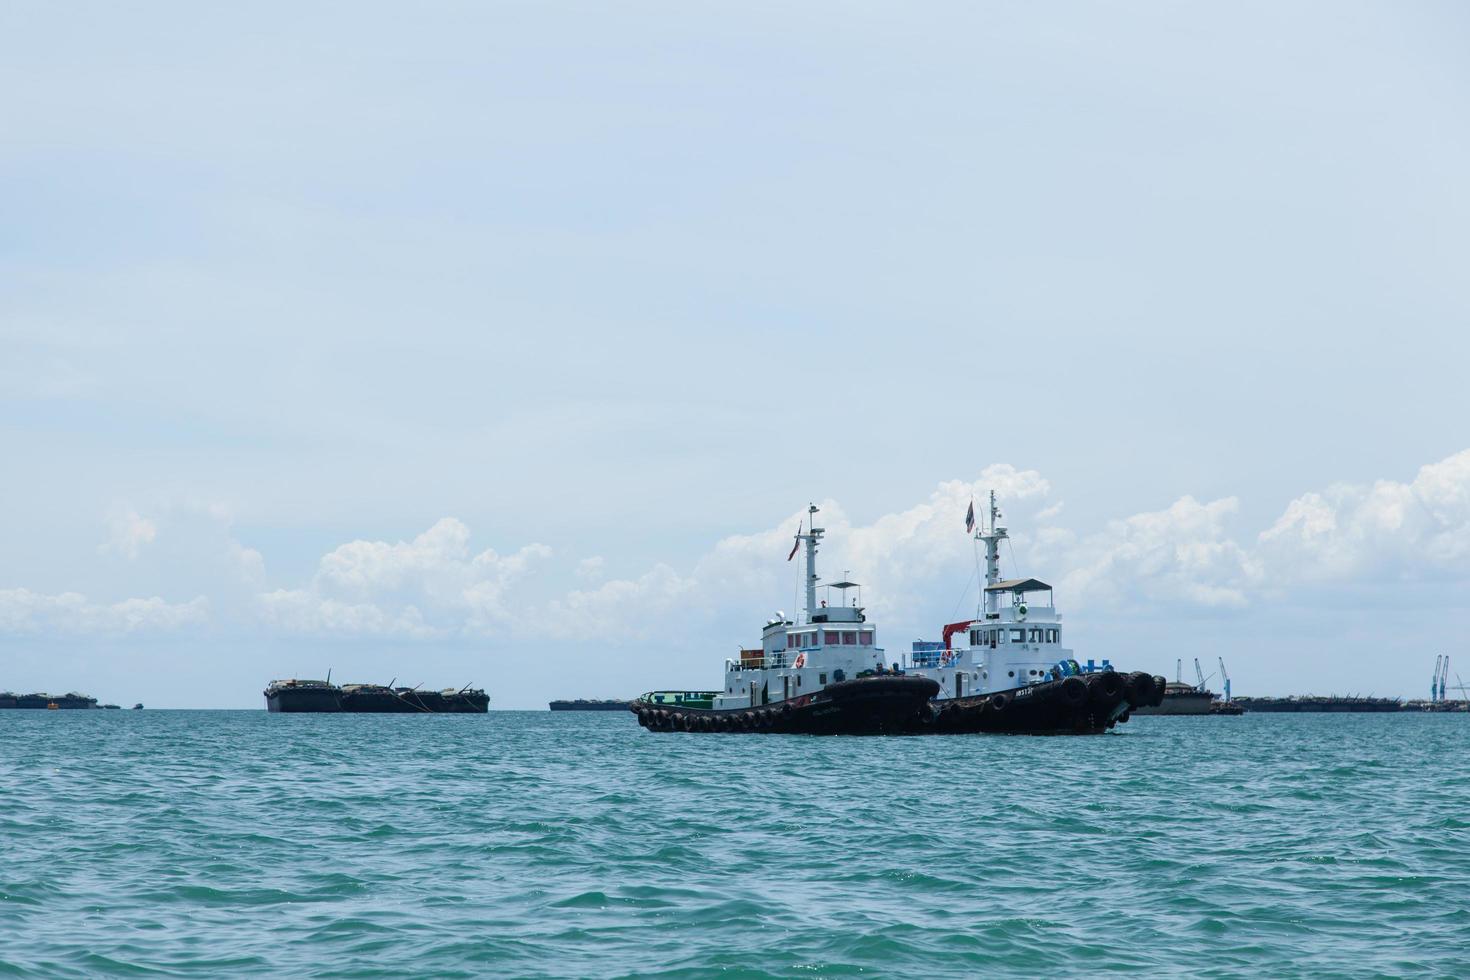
(824, 675)
(1014, 676)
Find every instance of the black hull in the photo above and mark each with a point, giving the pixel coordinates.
(310, 700)
(1088, 704)
(1079, 705)
(589, 705)
(864, 706)
(376, 702)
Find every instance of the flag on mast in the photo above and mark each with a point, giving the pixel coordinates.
(797, 544)
(970, 517)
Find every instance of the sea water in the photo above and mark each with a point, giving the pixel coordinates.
(223, 843)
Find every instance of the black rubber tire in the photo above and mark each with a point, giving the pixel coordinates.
(1141, 689)
(1072, 692)
(1107, 687)
(1159, 683)
(1000, 702)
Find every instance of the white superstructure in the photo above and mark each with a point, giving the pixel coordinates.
(833, 641)
(1014, 640)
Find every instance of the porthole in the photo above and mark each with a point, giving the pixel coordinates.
(1010, 673)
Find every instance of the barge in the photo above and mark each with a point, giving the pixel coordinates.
(295, 696)
(53, 702)
(582, 704)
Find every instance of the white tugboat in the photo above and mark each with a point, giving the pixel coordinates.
(822, 673)
(1007, 669)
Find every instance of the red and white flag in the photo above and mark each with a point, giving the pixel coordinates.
(797, 544)
(970, 517)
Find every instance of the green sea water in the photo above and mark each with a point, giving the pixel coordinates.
(578, 845)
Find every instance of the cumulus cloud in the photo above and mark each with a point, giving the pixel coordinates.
(1182, 554)
(624, 608)
(432, 585)
(24, 611)
(305, 611)
(914, 564)
(1418, 529)
(128, 533)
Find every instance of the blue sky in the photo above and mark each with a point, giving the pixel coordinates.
(589, 302)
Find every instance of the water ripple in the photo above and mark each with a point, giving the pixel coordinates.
(531, 844)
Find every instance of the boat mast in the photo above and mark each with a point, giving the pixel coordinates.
(992, 539)
(810, 538)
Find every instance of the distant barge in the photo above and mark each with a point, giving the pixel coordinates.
(46, 701)
(581, 704)
(323, 697)
(1320, 705)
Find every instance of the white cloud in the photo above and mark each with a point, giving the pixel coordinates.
(1181, 554)
(431, 585)
(128, 533)
(623, 608)
(304, 611)
(24, 611)
(913, 563)
(1413, 530)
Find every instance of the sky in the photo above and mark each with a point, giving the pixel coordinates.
(506, 343)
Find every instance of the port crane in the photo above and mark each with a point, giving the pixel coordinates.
(1434, 682)
(1225, 678)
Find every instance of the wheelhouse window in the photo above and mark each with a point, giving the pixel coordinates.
(790, 640)
(1051, 636)
(1018, 636)
(866, 638)
(831, 638)
(849, 638)
(974, 638)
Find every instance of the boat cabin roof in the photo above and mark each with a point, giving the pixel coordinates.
(1019, 585)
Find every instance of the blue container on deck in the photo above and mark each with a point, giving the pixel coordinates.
(926, 653)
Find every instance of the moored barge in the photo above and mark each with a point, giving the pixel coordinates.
(53, 702)
(295, 696)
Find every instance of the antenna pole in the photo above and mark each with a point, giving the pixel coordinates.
(811, 538)
(992, 539)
